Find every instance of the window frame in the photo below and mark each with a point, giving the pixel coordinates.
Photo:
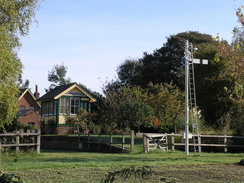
(74, 107)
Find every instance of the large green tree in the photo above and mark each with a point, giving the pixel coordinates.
(165, 65)
(167, 101)
(15, 19)
(156, 108)
(234, 72)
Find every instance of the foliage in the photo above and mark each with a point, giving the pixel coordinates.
(57, 76)
(80, 120)
(218, 84)
(233, 72)
(115, 112)
(135, 115)
(21, 83)
(127, 173)
(158, 106)
(167, 102)
(15, 19)
(15, 125)
(164, 65)
(129, 73)
(9, 178)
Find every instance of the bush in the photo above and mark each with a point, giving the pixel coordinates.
(9, 178)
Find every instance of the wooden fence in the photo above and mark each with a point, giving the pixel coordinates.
(100, 139)
(19, 139)
(169, 141)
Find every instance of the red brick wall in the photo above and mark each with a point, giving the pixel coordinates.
(27, 101)
(30, 116)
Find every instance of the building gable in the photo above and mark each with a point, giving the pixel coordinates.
(66, 90)
(28, 100)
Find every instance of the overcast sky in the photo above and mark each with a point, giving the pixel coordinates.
(93, 37)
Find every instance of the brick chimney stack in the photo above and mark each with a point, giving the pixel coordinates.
(37, 94)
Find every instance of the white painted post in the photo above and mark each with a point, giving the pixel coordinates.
(173, 142)
(225, 143)
(38, 141)
(186, 97)
(132, 140)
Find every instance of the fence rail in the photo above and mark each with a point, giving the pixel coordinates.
(17, 142)
(110, 141)
(170, 141)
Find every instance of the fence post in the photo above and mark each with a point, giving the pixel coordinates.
(123, 141)
(17, 136)
(225, 142)
(173, 142)
(199, 143)
(100, 141)
(38, 141)
(145, 143)
(132, 140)
(111, 141)
(88, 145)
(28, 132)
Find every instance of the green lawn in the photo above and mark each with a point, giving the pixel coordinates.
(33, 167)
(54, 159)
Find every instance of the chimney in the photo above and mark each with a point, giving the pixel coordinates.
(37, 94)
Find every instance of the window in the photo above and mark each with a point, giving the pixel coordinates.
(31, 123)
(84, 105)
(75, 103)
(64, 104)
(50, 108)
(44, 108)
(31, 108)
(22, 108)
(54, 107)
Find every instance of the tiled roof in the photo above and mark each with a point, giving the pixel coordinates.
(54, 92)
(21, 113)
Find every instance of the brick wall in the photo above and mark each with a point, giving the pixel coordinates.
(27, 101)
(30, 117)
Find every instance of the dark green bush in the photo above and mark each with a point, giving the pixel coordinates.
(9, 178)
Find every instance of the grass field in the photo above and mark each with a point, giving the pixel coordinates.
(72, 167)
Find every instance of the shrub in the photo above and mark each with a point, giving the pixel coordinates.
(9, 178)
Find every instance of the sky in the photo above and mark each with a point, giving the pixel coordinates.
(93, 37)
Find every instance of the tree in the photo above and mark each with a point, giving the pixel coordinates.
(234, 72)
(168, 103)
(129, 73)
(15, 19)
(163, 65)
(57, 76)
(136, 114)
(123, 105)
(21, 83)
(158, 108)
(81, 120)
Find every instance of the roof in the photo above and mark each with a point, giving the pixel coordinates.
(23, 91)
(21, 113)
(59, 91)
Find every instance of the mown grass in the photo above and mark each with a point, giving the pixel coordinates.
(54, 159)
(72, 167)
